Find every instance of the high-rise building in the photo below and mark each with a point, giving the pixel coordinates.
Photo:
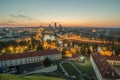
(55, 24)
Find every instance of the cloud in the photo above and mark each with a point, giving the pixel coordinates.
(30, 19)
(7, 23)
(11, 21)
(21, 16)
(4, 23)
(14, 16)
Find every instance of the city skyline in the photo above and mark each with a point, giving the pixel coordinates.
(102, 13)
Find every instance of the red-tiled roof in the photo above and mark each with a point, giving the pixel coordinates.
(105, 69)
(75, 55)
(30, 54)
(117, 58)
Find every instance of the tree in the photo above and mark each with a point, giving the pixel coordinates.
(40, 47)
(47, 62)
(49, 41)
(23, 43)
(68, 44)
(12, 43)
(95, 47)
(82, 50)
(118, 39)
(63, 51)
(117, 51)
(89, 51)
(32, 42)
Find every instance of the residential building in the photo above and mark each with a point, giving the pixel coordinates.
(115, 62)
(8, 60)
(103, 70)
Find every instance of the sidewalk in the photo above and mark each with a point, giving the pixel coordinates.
(47, 69)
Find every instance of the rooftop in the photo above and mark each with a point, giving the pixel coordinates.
(106, 70)
(30, 54)
(75, 55)
(117, 58)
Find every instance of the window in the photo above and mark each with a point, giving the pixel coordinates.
(10, 62)
(5, 64)
(38, 59)
(20, 61)
(29, 60)
(1, 64)
(34, 59)
(16, 61)
(25, 60)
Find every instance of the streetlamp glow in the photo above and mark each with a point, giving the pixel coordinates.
(2, 51)
(25, 47)
(11, 48)
(81, 57)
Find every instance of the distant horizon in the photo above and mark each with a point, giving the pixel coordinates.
(58, 26)
(85, 13)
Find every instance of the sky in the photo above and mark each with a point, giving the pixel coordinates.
(96, 13)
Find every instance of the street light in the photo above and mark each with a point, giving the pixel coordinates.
(82, 58)
(3, 51)
(25, 47)
(11, 49)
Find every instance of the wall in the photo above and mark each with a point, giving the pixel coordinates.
(27, 60)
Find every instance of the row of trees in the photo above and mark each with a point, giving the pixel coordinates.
(82, 48)
(110, 39)
(87, 48)
(25, 45)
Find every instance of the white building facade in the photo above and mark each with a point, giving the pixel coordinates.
(102, 68)
(19, 59)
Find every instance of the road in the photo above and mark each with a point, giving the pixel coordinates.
(77, 38)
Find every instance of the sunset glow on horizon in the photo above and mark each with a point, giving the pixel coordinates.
(96, 13)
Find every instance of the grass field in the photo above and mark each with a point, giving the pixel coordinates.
(85, 68)
(70, 69)
(33, 77)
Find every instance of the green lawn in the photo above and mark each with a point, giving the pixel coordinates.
(33, 77)
(85, 68)
(59, 68)
(70, 69)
